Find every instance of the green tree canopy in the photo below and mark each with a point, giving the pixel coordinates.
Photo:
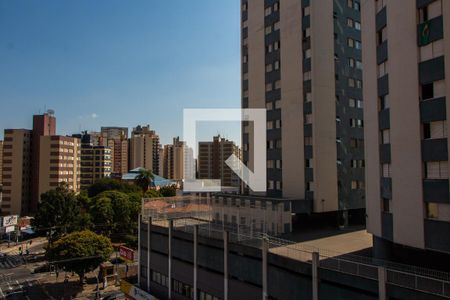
(80, 252)
(168, 191)
(114, 210)
(108, 184)
(58, 209)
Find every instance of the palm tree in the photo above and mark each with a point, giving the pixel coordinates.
(144, 179)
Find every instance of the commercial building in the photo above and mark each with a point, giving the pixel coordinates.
(178, 161)
(59, 159)
(406, 69)
(193, 259)
(43, 125)
(96, 159)
(117, 139)
(211, 161)
(16, 171)
(144, 149)
(301, 60)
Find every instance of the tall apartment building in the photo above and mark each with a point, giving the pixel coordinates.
(406, 69)
(301, 60)
(43, 125)
(144, 149)
(211, 161)
(96, 159)
(117, 139)
(59, 159)
(16, 171)
(178, 161)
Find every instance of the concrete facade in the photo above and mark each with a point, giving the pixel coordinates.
(16, 171)
(95, 163)
(178, 265)
(144, 149)
(59, 159)
(178, 161)
(43, 125)
(301, 60)
(407, 185)
(211, 161)
(117, 139)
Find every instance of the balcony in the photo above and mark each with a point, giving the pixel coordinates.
(436, 190)
(433, 110)
(435, 150)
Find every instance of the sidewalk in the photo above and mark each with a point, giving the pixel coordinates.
(40, 241)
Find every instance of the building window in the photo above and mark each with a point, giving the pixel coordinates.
(427, 91)
(351, 42)
(386, 205)
(277, 84)
(385, 136)
(432, 210)
(205, 296)
(277, 104)
(381, 36)
(435, 130)
(386, 170)
(159, 278)
(383, 102)
(183, 289)
(436, 170)
(357, 185)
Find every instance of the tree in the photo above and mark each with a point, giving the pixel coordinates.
(102, 214)
(58, 210)
(144, 179)
(113, 210)
(108, 184)
(168, 191)
(80, 252)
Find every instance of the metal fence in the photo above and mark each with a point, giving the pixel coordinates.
(412, 277)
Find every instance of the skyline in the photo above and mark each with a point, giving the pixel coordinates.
(118, 70)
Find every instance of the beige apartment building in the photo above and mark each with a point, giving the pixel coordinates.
(301, 60)
(96, 163)
(116, 138)
(178, 161)
(406, 69)
(16, 171)
(144, 149)
(211, 161)
(59, 159)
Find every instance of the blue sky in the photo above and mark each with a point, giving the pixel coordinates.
(118, 63)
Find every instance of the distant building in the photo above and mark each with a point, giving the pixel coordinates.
(43, 125)
(406, 67)
(178, 161)
(91, 138)
(211, 161)
(117, 139)
(16, 171)
(144, 149)
(59, 159)
(161, 159)
(96, 159)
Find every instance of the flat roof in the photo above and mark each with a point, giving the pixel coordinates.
(332, 246)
